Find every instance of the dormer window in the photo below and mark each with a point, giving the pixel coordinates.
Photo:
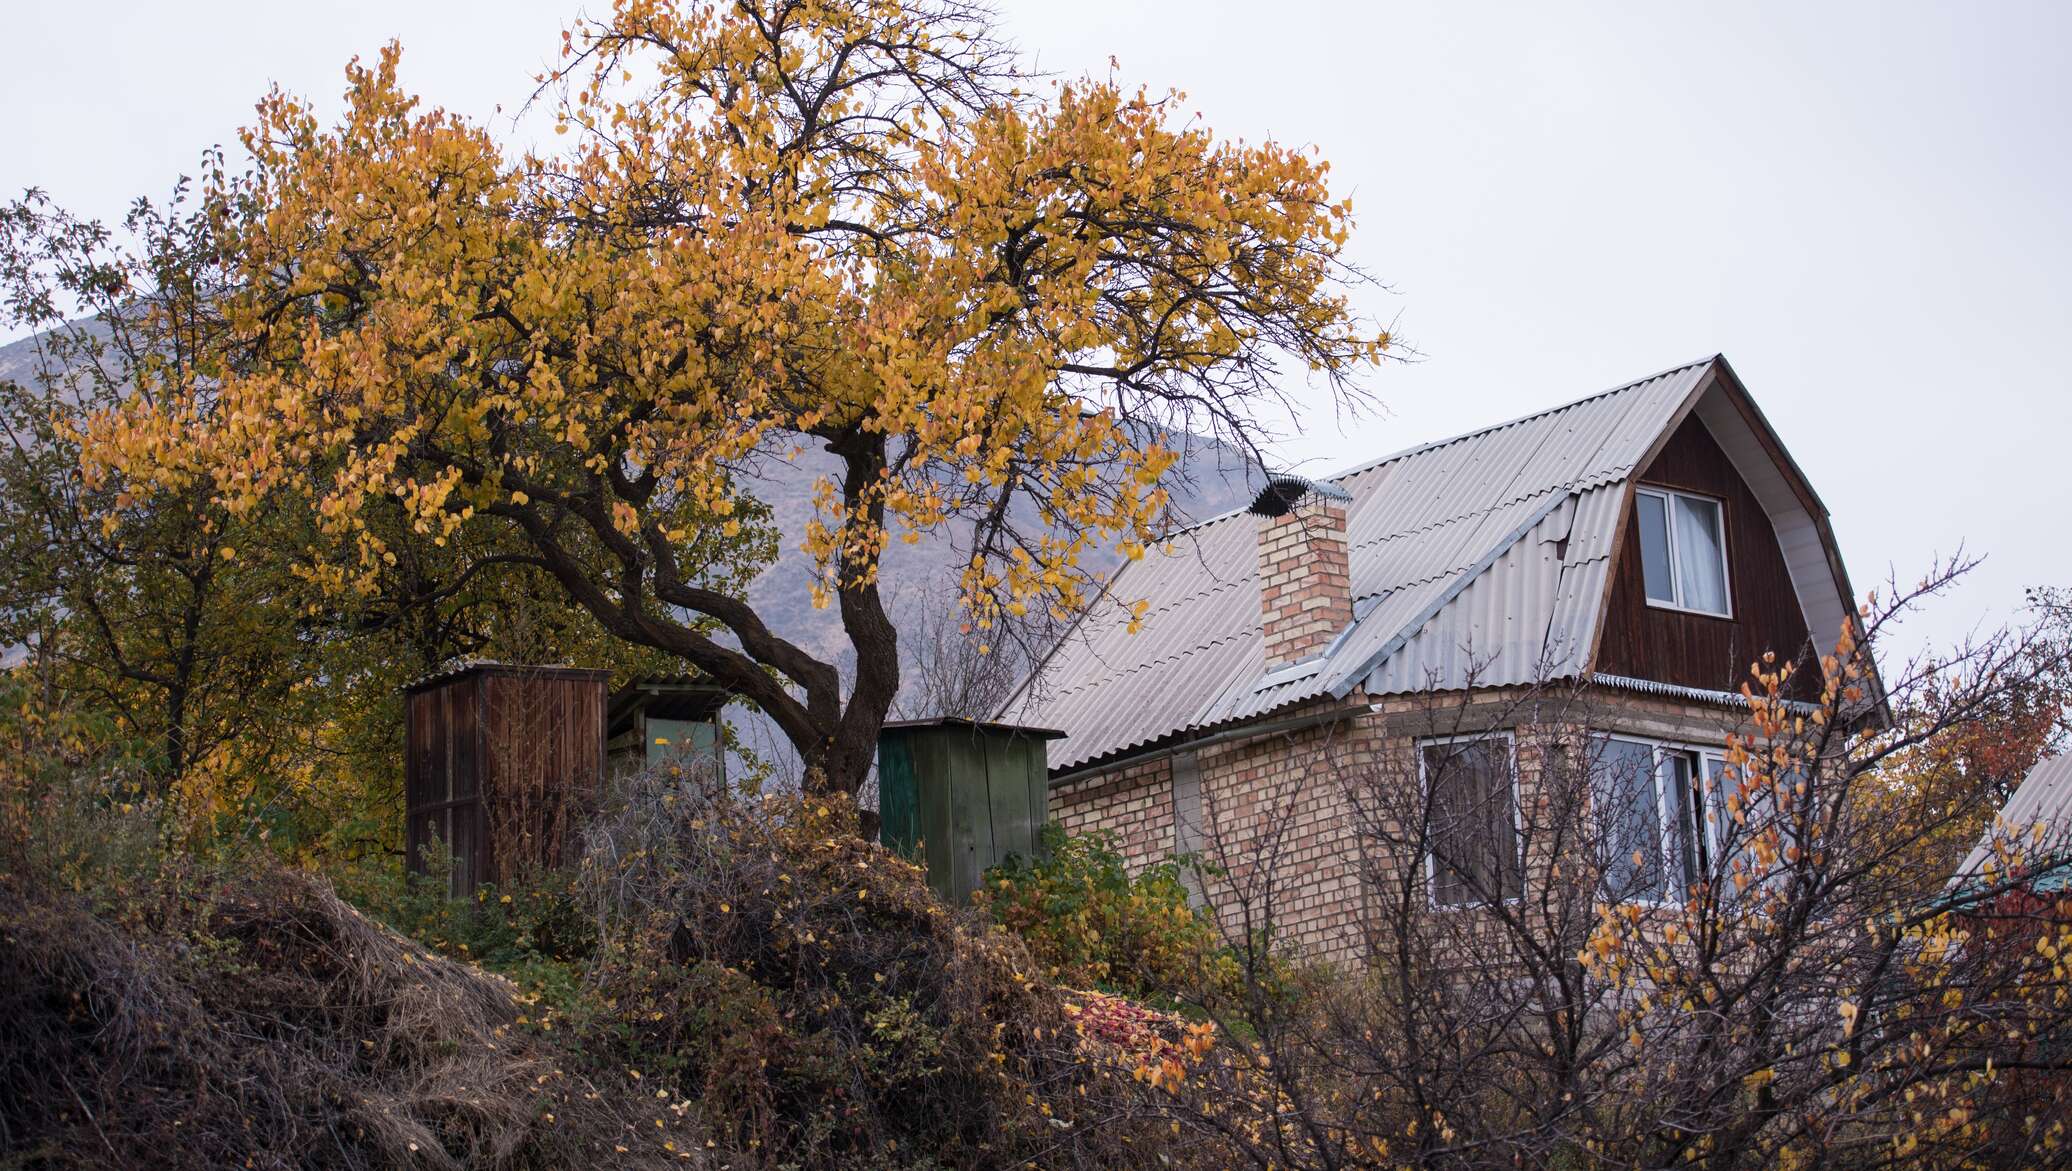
(1683, 551)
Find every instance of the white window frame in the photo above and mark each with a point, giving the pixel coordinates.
(1431, 860)
(1668, 496)
(1709, 807)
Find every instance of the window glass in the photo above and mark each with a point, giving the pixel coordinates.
(1716, 800)
(1474, 833)
(1628, 818)
(1700, 568)
(1656, 573)
(1688, 853)
(1730, 837)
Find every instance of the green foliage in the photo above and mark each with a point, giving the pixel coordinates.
(1094, 924)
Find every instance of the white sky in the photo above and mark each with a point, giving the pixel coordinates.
(1861, 205)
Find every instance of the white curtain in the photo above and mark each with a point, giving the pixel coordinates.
(1700, 569)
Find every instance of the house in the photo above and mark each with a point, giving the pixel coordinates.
(1649, 543)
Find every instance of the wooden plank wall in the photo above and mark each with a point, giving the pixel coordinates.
(1699, 650)
(442, 778)
(972, 797)
(545, 741)
(500, 764)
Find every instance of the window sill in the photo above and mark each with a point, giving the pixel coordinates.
(1675, 609)
(1438, 907)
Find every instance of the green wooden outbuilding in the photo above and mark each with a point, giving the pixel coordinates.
(961, 795)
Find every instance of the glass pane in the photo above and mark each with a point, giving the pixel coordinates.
(1680, 780)
(1628, 819)
(1699, 566)
(675, 751)
(1652, 512)
(1728, 838)
(1716, 799)
(1474, 837)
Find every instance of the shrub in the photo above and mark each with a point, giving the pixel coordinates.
(817, 1003)
(1093, 924)
(758, 988)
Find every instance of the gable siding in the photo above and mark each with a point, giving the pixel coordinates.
(1698, 650)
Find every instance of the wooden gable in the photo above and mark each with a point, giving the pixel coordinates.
(1644, 641)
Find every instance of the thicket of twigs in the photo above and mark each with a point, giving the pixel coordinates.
(823, 1008)
(1785, 975)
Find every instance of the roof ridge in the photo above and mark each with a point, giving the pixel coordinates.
(1417, 449)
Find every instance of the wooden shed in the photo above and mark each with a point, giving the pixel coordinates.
(961, 795)
(661, 721)
(500, 762)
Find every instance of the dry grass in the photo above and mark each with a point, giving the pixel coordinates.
(260, 1022)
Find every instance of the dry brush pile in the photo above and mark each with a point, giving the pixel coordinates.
(212, 1020)
(823, 1008)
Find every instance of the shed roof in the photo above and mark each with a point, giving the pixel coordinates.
(669, 697)
(975, 726)
(2038, 818)
(468, 668)
(1483, 557)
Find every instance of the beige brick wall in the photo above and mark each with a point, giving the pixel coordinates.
(1279, 810)
(1134, 803)
(1275, 822)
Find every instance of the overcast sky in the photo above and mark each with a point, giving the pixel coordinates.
(1862, 205)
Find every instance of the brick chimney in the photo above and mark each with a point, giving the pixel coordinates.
(1305, 584)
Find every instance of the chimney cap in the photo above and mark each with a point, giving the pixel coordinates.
(1284, 491)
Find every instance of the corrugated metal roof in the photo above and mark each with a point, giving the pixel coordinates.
(2044, 799)
(1484, 556)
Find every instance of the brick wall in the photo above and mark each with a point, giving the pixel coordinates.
(1282, 813)
(1134, 803)
(1275, 822)
(1278, 824)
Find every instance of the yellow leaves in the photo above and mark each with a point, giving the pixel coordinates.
(428, 314)
(1137, 611)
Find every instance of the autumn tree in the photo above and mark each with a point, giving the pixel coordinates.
(1940, 794)
(132, 605)
(180, 630)
(995, 298)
